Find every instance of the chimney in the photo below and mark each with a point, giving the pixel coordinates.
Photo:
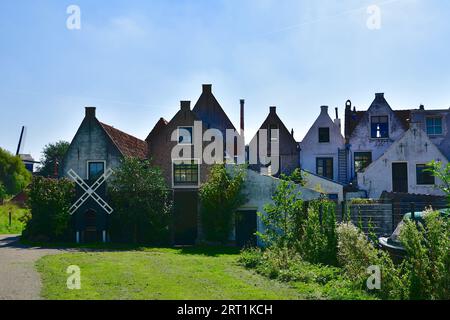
(185, 105)
(273, 109)
(379, 95)
(292, 132)
(422, 107)
(207, 88)
(348, 105)
(242, 115)
(90, 112)
(337, 112)
(324, 109)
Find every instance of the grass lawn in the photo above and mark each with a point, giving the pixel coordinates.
(17, 213)
(192, 273)
(158, 274)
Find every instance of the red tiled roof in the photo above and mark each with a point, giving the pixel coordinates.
(128, 145)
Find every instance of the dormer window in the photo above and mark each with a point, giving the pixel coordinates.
(185, 135)
(380, 127)
(434, 126)
(324, 135)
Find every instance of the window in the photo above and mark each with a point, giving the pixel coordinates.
(185, 173)
(423, 176)
(273, 132)
(95, 169)
(434, 125)
(324, 167)
(380, 127)
(324, 135)
(362, 160)
(185, 135)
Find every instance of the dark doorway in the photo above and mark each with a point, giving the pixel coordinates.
(185, 217)
(400, 177)
(90, 230)
(246, 228)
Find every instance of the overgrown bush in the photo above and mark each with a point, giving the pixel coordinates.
(318, 242)
(220, 197)
(49, 201)
(283, 217)
(142, 203)
(2, 193)
(428, 257)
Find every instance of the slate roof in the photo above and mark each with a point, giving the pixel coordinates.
(128, 145)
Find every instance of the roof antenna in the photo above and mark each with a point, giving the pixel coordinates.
(21, 141)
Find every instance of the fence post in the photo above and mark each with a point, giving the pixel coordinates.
(10, 218)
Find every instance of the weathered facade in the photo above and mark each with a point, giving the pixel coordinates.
(370, 133)
(321, 147)
(96, 148)
(402, 168)
(178, 147)
(288, 156)
(436, 123)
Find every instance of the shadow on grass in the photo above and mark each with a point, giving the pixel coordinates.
(210, 251)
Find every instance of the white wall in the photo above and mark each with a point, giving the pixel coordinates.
(414, 147)
(319, 184)
(312, 149)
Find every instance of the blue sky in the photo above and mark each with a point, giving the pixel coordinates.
(134, 61)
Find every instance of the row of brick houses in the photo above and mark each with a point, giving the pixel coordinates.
(381, 150)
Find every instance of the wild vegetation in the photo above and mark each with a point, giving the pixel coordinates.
(220, 196)
(52, 157)
(19, 216)
(142, 203)
(302, 238)
(49, 201)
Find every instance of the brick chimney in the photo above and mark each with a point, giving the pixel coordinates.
(207, 88)
(324, 109)
(242, 115)
(185, 105)
(273, 109)
(90, 112)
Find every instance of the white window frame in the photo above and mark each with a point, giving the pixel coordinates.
(94, 161)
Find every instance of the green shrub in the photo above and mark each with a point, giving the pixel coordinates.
(220, 197)
(49, 201)
(282, 217)
(318, 237)
(250, 258)
(142, 203)
(427, 263)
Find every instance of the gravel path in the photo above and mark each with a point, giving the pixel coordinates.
(18, 278)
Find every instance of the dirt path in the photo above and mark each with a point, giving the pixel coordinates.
(18, 278)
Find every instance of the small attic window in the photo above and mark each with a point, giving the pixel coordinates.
(379, 127)
(324, 135)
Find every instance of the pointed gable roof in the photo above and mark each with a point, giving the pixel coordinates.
(128, 145)
(159, 126)
(353, 117)
(210, 112)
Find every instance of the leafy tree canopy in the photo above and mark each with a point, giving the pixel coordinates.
(52, 153)
(13, 174)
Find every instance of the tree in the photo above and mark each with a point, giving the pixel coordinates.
(52, 156)
(220, 197)
(13, 174)
(49, 201)
(2, 193)
(281, 218)
(142, 203)
(296, 177)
